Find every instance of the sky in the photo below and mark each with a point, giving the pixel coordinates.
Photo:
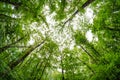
(64, 39)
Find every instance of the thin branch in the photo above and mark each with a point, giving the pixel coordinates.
(5, 17)
(88, 2)
(112, 29)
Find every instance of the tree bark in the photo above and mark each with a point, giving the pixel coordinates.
(27, 52)
(88, 2)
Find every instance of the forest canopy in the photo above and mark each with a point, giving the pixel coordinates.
(59, 39)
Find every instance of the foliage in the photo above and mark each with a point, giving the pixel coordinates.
(47, 40)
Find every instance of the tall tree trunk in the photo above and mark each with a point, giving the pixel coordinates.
(36, 72)
(27, 52)
(62, 67)
(86, 65)
(88, 2)
(44, 67)
(35, 69)
(2, 49)
(43, 71)
(93, 58)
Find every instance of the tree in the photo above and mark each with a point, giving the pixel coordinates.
(47, 40)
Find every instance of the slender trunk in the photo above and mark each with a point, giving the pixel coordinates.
(62, 67)
(27, 52)
(23, 66)
(44, 67)
(88, 53)
(37, 70)
(2, 49)
(34, 69)
(43, 71)
(97, 54)
(88, 2)
(86, 65)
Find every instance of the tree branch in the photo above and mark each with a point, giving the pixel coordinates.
(27, 52)
(88, 2)
(2, 49)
